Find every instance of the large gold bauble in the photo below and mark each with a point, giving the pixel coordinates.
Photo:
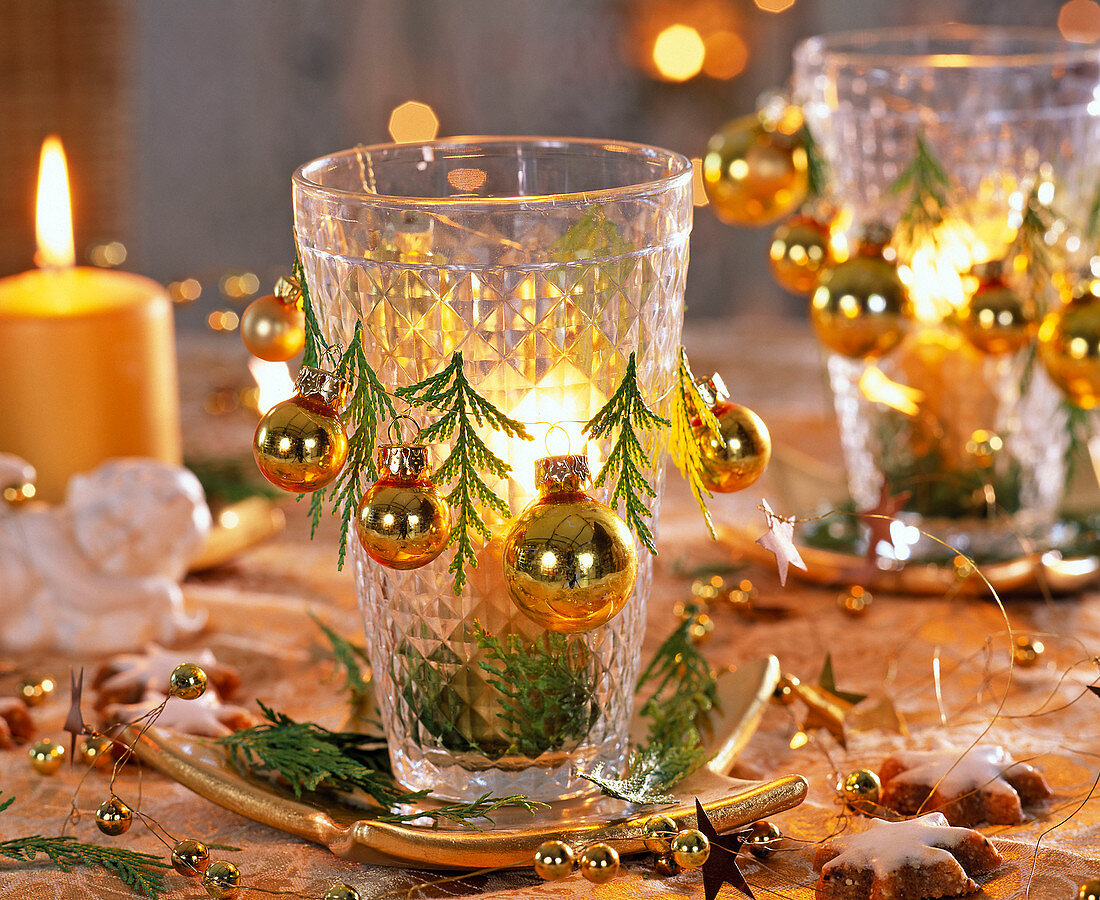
(1069, 345)
(753, 175)
(273, 329)
(599, 863)
(187, 681)
(190, 857)
(569, 562)
(690, 849)
(300, 444)
(860, 308)
(113, 817)
(46, 756)
(736, 456)
(997, 319)
(799, 253)
(221, 879)
(553, 860)
(403, 521)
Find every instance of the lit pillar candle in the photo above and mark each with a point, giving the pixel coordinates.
(87, 356)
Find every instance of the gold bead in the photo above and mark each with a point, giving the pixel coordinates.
(273, 329)
(855, 601)
(341, 891)
(659, 832)
(33, 691)
(190, 858)
(221, 879)
(599, 863)
(738, 455)
(983, 447)
(700, 628)
(997, 319)
(665, 866)
(799, 253)
(1026, 651)
(300, 444)
(860, 308)
(1090, 890)
(187, 681)
(1069, 345)
(762, 835)
(553, 860)
(690, 848)
(95, 750)
(861, 789)
(113, 817)
(784, 691)
(46, 756)
(753, 175)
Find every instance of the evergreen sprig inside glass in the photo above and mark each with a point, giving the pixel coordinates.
(816, 172)
(622, 414)
(929, 189)
(463, 411)
(687, 409)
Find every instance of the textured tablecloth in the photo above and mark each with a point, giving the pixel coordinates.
(257, 609)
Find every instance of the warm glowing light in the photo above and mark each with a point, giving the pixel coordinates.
(698, 183)
(53, 210)
(1079, 20)
(878, 388)
(273, 383)
(108, 255)
(774, 6)
(799, 739)
(934, 268)
(186, 291)
(678, 52)
(413, 121)
(726, 55)
(229, 519)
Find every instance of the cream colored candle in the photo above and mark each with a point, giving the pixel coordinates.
(87, 362)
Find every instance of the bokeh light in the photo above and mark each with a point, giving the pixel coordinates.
(413, 121)
(186, 291)
(774, 6)
(1079, 20)
(678, 52)
(107, 255)
(726, 55)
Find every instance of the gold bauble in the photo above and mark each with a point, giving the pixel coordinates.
(187, 681)
(761, 838)
(1069, 345)
(855, 601)
(861, 789)
(799, 252)
(658, 833)
(113, 817)
(1090, 890)
(95, 750)
(569, 562)
(860, 307)
(753, 175)
(221, 879)
(190, 858)
(553, 860)
(341, 891)
(1026, 651)
(738, 455)
(599, 863)
(997, 319)
(690, 848)
(46, 756)
(33, 691)
(273, 329)
(403, 521)
(300, 444)
(665, 866)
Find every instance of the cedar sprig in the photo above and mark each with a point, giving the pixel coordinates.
(622, 414)
(463, 411)
(353, 663)
(816, 171)
(466, 814)
(689, 412)
(929, 189)
(138, 871)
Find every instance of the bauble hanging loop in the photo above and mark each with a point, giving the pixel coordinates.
(735, 456)
(570, 562)
(300, 444)
(273, 327)
(403, 521)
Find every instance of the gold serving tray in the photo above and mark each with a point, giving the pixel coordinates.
(350, 832)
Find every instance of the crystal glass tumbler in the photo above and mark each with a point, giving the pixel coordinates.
(959, 416)
(546, 263)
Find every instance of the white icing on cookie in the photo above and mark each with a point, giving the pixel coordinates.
(982, 767)
(151, 670)
(204, 717)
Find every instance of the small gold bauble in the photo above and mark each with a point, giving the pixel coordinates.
(735, 457)
(997, 319)
(113, 817)
(1069, 345)
(690, 848)
(665, 866)
(190, 858)
(785, 691)
(403, 521)
(861, 789)
(33, 691)
(1090, 890)
(341, 891)
(273, 329)
(799, 253)
(659, 832)
(569, 561)
(187, 681)
(553, 860)
(95, 750)
(860, 308)
(753, 175)
(46, 756)
(855, 601)
(300, 444)
(599, 863)
(762, 836)
(1026, 651)
(983, 447)
(221, 879)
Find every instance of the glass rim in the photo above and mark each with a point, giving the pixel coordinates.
(858, 46)
(680, 171)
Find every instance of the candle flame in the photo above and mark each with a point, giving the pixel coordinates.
(877, 387)
(54, 214)
(273, 383)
